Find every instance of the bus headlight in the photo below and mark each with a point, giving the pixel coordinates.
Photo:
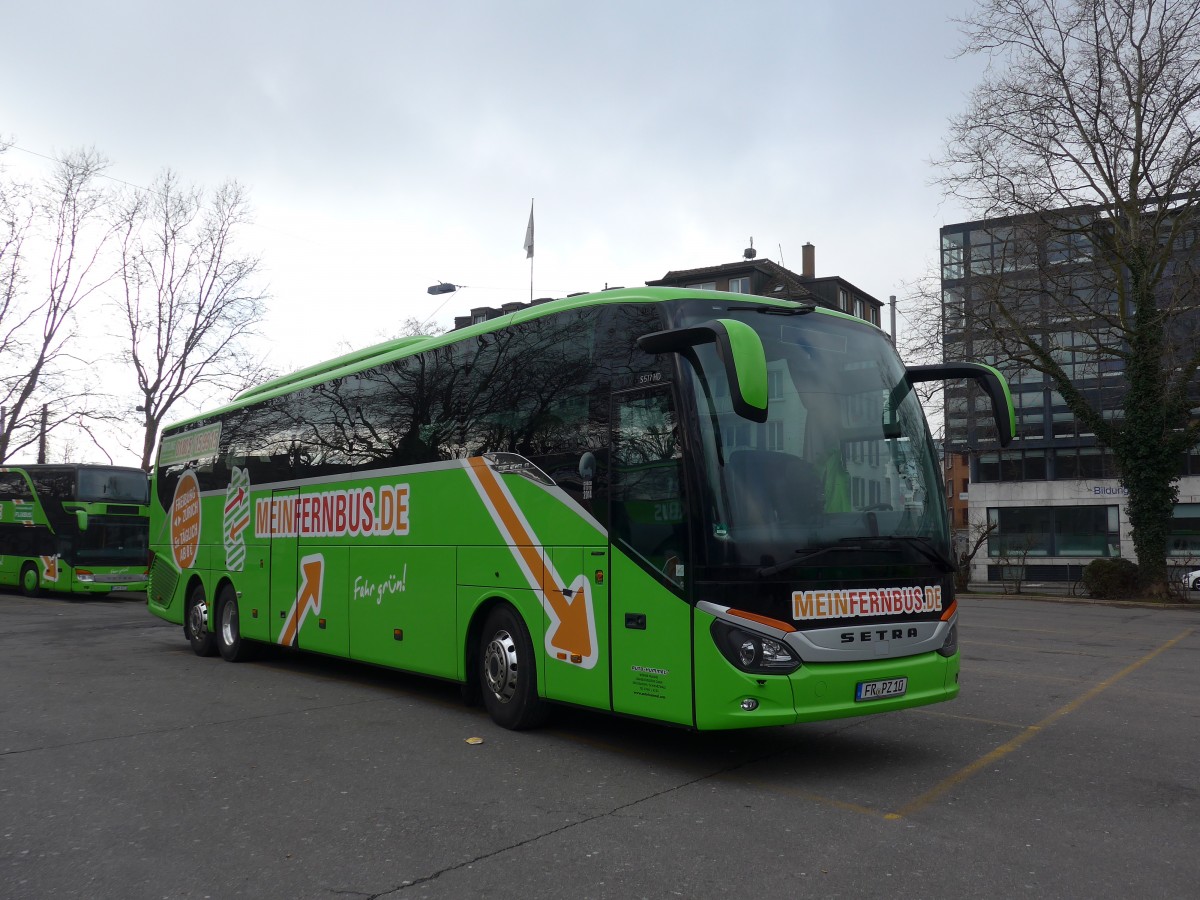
(84, 575)
(752, 652)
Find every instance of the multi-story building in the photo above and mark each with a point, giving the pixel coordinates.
(1052, 498)
(749, 275)
(765, 278)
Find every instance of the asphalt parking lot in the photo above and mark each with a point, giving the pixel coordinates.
(131, 768)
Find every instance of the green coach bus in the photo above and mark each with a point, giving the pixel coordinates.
(694, 507)
(77, 529)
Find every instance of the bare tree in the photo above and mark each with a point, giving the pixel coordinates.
(53, 237)
(414, 327)
(189, 300)
(978, 535)
(1086, 133)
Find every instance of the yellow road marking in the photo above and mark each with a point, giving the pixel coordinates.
(944, 715)
(1006, 748)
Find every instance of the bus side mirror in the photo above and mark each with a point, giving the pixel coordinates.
(81, 519)
(990, 379)
(740, 350)
(587, 466)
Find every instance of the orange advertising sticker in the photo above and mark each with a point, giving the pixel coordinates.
(185, 521)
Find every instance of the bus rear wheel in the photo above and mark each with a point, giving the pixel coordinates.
(508, 673)
(195, 623)
(30, 583)
(229, 630)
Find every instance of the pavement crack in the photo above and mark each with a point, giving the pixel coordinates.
(433, 876)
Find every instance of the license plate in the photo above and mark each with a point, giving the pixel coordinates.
(878, 690)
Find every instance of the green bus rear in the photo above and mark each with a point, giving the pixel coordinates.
(685, 506)
(75, 529)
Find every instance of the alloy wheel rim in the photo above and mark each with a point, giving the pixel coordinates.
(500, 666)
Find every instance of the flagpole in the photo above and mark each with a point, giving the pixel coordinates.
(529, 248)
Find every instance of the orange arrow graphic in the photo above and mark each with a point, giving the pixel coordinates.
(307, 598)
(573, 634)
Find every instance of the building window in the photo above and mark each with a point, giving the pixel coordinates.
(1184, 537)
(774, 435)
(740, 285)
(1083, 464)
(703, 286)
(843, 300)
(1023, 531)
(1011, 465)
(858, 307)
(952, 255)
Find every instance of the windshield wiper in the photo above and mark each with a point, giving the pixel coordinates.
(891, 542)
(920, 544)
(767, 571)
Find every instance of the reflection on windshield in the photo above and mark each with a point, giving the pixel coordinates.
(113, 485)
(832, 462)
(111, 540)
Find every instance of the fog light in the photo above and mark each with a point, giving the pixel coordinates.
(749, 704)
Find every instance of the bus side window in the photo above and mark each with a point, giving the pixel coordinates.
(647, 499)
(14, 487)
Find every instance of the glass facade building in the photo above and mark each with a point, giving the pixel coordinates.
(1053, 498)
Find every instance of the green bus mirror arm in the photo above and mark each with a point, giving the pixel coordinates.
(990, 379)
(740, 350)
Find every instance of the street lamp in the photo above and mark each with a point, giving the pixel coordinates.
(443, 287)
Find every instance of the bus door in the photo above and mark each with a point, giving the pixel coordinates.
(285, 569)
(576, 604)
(650, 616)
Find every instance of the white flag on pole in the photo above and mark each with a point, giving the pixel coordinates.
(529, 233)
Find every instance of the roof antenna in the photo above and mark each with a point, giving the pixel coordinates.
(750, 252)
(781, 256)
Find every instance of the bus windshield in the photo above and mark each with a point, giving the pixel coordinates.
(834, 465)
(112, 485)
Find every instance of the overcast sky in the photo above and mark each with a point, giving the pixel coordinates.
(390, 145)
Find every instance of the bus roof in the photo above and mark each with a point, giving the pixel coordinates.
(399, 348)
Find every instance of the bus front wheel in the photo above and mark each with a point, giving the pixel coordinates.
(30, 583)
(508, 673)
(229, 630)
(195, 623)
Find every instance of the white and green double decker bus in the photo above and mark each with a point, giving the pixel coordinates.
(73, 528)
(700, 508)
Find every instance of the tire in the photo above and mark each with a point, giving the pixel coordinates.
(229, 632)
(1196, 585)
(508, 672)
(31, 585)
(195, 623)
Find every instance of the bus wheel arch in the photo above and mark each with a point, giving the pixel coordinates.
(31, 581)
(506, 669)
(197, 619)
(472, 692)
(227, 625)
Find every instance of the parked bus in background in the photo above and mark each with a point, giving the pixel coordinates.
(687, 506)
(78, 529)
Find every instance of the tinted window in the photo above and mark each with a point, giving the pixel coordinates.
(54, 484)
(13, 486)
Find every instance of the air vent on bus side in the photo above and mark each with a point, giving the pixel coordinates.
(163, 579)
